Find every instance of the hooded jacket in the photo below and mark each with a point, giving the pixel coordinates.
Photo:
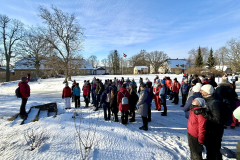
(142, 104)
(120, 95)
(133, 99)
(103, 101)
(189, 103)
(197, 125)
(85, 90)
(76, 91)
(66, 92)
(185, 88)
(24, 89)
(176, 87)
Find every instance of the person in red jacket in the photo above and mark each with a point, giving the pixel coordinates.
(66, 95)
(156, 90)
(196, 129)
(176, 87)
(123, 108)
(25, 91)
(168, 83)
(85, 94)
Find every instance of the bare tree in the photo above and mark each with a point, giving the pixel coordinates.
(35, 45)
(93, 60)
(12, 31)
(104, 62)
(64, 34)
(233, 53)
(139, 59)
(156, 59)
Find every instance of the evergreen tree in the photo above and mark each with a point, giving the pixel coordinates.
(211, 60)
(199, 59)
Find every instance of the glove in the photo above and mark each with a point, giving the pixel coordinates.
(198, 111)
(201, 143)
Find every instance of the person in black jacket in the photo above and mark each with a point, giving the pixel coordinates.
(133, 99)
(214, 113)
(90, 89)
(113, 105)
(211, 80)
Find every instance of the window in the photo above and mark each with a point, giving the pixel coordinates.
(88, 71)
(22, 72)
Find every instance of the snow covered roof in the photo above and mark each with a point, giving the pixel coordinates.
(4, 69)
(25, 63)
(221, 67)
(176, 63)
(141, 67)
(84, 64)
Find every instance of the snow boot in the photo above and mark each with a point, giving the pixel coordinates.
(132, 120)
(164, 114)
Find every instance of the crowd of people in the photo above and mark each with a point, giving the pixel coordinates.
(206, 104)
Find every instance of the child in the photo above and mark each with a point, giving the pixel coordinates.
(196, 129)
(85, 94)
(66, 95)
(113, 105)
(76, 94)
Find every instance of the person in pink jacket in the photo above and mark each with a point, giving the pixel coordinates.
(196, 129)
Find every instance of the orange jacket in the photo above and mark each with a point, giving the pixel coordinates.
(168, 83)
(176, 87)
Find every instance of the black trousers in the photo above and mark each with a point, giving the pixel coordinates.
(86, 100)
(195, 148)
(124, 117)
(107, 113)
(149, 111)
(22, 107)
(176, 98)
(213, 145)
(163, 101)
(145, 122)
(77, 101)
(115, 117)
(132, 112)
(184, 99)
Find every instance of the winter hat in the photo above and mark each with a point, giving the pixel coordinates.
(197, 87)
(158, 80)
(143, 85)
(175, 79)
(66, 84)
(208, 89)
(194, 82)
(201, 102)
(24, 79)
(163, 82)
(236, 113)
(77, 84)
(147, 79)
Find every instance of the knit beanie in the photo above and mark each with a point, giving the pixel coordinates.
(208, 89)
(197, 87)
(163, 82)
(201, 102)
(158, 80)
(24, 79)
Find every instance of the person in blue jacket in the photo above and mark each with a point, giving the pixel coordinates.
(76, 94)
(105, 102)
(184, 90)
(196, 94)
(163, 96)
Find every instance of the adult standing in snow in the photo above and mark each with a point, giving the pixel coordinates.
(236, 114)
(94, 96)
(214, 113)
(99, 89)
(105, 100)
(25, 91)
(176, 87)
(196, 129)
(197, 79)
(156, 90)
(66, 95)
(184, 90)
(211, 80)
(168, 83)
(73, 85)
(155, 79)
(143, 106)
(193, 83)
(113, 105)
(85, 94)
(163, 95)
(150, 90)
(28, 77)
(196, 94)
(123, 103)
(89, 86)
(133, 99)
(76, 94)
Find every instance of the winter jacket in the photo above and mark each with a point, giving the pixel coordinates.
(24, 89)
(163, 90)
(225, 90)
(142, 104)
(66, 92)
(149, 84)
(197, 125)
(85, 90)
(189, 103)
(185, 88)
(133, 99)
(190, 93)
(214, 115)
(157, 89)
(28, 77)
(103, 101)
(90, 88)
(113, 104)
(99, 88)
(120, 95)
(176, 87)
(76, 91)
(168, 83)
(212, 82)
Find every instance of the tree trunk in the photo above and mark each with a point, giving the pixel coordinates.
(66, 74)
(7, 71)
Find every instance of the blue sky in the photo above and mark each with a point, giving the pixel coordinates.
(172, 26)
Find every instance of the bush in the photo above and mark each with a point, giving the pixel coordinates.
(202, 71)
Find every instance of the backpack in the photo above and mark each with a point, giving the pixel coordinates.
(108, 97)
(18, 93)
(124, 99)
(227, 118)
(149, 99)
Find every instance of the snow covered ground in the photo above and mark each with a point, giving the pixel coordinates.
(166, 138)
